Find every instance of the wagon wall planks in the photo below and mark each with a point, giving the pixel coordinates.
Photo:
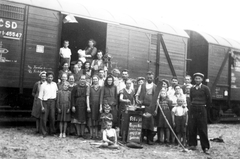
(41, 45)
(131, 49)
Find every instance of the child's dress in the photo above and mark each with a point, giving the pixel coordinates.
(166, 106)
(180, 113)
(104, 120)
(63, 103)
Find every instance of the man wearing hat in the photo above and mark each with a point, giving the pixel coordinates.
(200, 98)
(144, 97)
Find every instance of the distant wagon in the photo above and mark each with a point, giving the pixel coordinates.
(32, 33)
(219, 59)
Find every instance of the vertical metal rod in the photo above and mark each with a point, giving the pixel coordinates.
(23, 51)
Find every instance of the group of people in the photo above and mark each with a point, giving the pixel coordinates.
(91, 96)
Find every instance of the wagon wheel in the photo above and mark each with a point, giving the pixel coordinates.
(214, 114)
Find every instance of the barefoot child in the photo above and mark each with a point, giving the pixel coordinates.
(180, 119)
(63, 106)
(163, 131)
(109, 136)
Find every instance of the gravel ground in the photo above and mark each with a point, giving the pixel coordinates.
(21, 143)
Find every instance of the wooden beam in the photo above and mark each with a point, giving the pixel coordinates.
(167, 56)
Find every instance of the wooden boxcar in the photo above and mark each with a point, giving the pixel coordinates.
(219, 60)
(32, 33)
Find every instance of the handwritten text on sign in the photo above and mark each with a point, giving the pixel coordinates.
(11, 29)
(135, 128)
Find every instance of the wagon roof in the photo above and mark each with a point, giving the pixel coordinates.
(77, 9)
(214, 39)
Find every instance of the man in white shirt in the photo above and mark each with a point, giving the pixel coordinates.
(65, 54)
(47, 96)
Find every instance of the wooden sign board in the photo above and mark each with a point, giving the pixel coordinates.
(134, 128)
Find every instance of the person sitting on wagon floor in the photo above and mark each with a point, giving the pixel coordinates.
(47, 96)
(200, 98)
(144, 97)
(91, 50)
(65, 54)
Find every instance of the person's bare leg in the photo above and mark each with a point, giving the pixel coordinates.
(161, 135)
(167, 135)
(64, 129)
(61, 129)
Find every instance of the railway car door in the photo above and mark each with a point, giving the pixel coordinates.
(79, 33)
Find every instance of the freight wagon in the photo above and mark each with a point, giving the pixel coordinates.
(219, 59)
(31, 33)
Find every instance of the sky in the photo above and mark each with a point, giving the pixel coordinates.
(216, 17)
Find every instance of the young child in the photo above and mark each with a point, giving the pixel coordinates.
(63, 106)
(180, 119)
(163, 131)
(109, 136)
(106, 116)
(65, 53)
(64, 79)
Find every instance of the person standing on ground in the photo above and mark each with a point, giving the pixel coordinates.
(110, 96)
(63, 107)
(144, 97)
(96, 107)
(47, 96)
(65, 54)
(80, 105)
(36, 109)
(200, 98)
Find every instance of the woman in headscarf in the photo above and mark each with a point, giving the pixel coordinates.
(110, 96)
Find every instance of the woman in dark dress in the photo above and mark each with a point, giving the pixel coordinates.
(36, 109)
(95, 106)
(80, 105)
(109, 95)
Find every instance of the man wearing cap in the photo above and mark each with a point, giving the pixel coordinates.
(144, 97)
(200, 98)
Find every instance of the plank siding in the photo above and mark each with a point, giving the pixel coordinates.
(131, 49)
(176, 47)
(42, 30)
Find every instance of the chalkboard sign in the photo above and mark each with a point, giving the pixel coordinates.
(134, 128)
